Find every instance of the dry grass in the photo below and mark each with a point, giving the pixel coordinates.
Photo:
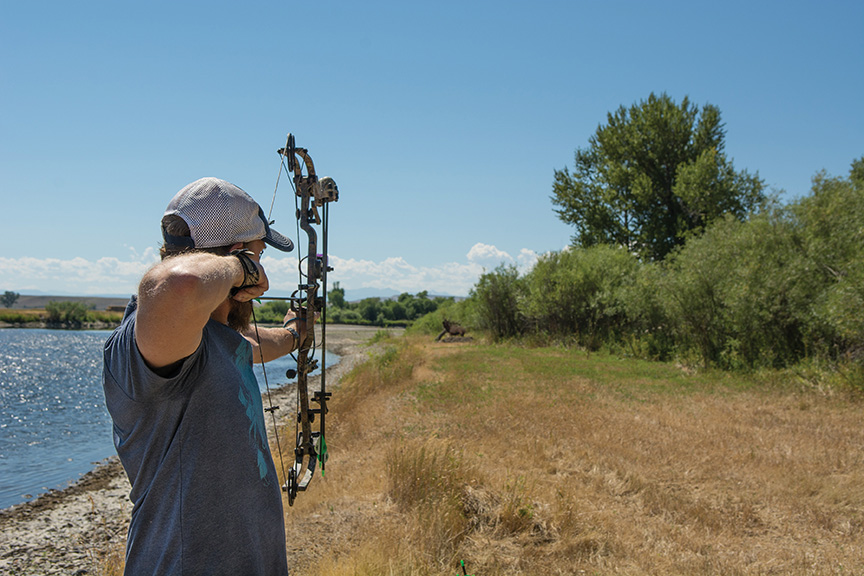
(112, 560)
(547, 462)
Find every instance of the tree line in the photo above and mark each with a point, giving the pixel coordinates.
(778, 288)
(678, 255)
(400, 311)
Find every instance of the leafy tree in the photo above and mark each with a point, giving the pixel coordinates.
(336, 296)
(421, 305)
(394, 310)
(370, 309)
(654, 174)
(9, 298)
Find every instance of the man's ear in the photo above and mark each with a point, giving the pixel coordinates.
(237, 246)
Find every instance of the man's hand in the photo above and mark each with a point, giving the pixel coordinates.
(254, 281)
(291, 320)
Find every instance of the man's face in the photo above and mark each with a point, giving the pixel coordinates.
(256, 247)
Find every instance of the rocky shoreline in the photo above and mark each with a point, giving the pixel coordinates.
(77, 529)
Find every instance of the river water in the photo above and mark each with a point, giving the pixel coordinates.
(53, 422)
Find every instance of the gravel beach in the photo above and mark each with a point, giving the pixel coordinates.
(71, 531)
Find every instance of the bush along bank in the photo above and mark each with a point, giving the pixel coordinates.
(779, 289)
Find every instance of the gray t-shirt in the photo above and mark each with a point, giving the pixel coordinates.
(206, 498)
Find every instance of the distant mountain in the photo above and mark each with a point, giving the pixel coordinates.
(363, 293)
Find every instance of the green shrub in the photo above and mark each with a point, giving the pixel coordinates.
(830, 227)
(272, 312)
(577, 293)
(432, 323)
(497, 297)
(646, 331)
(74, 313)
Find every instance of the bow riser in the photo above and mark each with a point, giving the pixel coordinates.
(311, 447)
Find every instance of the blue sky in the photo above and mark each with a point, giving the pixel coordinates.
(442, 122)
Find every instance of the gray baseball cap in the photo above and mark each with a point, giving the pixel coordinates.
(220, 214)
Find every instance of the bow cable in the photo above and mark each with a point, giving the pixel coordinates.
(270, 408)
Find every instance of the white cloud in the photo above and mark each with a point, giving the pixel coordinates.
(75, 276)
(81, 276)
(491, 257)
(396, 274)
(488, 254)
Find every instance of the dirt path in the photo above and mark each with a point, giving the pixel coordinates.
(73, 531)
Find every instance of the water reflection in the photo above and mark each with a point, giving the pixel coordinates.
(53, 420)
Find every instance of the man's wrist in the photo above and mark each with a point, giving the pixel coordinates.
(251, 275)
(294, 334)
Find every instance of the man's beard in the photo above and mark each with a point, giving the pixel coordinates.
(239, 315)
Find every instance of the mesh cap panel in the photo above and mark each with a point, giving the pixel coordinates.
(219, 213)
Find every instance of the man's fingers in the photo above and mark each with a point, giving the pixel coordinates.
(251, 292)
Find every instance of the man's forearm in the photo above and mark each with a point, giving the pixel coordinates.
(176, 298)
(274, 343)
(191, 285)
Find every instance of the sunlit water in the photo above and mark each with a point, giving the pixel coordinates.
(53, 422)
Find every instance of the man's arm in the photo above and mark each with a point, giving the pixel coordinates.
(176, 298)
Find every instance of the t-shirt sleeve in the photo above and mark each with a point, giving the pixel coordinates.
(126, 369)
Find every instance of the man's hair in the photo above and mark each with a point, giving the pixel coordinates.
(176, 226)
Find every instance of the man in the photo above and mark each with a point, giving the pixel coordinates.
(187, 411)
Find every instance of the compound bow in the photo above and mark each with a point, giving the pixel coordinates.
(308, 302)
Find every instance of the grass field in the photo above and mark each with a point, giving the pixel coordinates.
(549, 461)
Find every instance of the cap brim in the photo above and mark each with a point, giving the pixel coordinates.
(278, 241)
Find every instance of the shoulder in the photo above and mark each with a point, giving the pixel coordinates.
(129, 371)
